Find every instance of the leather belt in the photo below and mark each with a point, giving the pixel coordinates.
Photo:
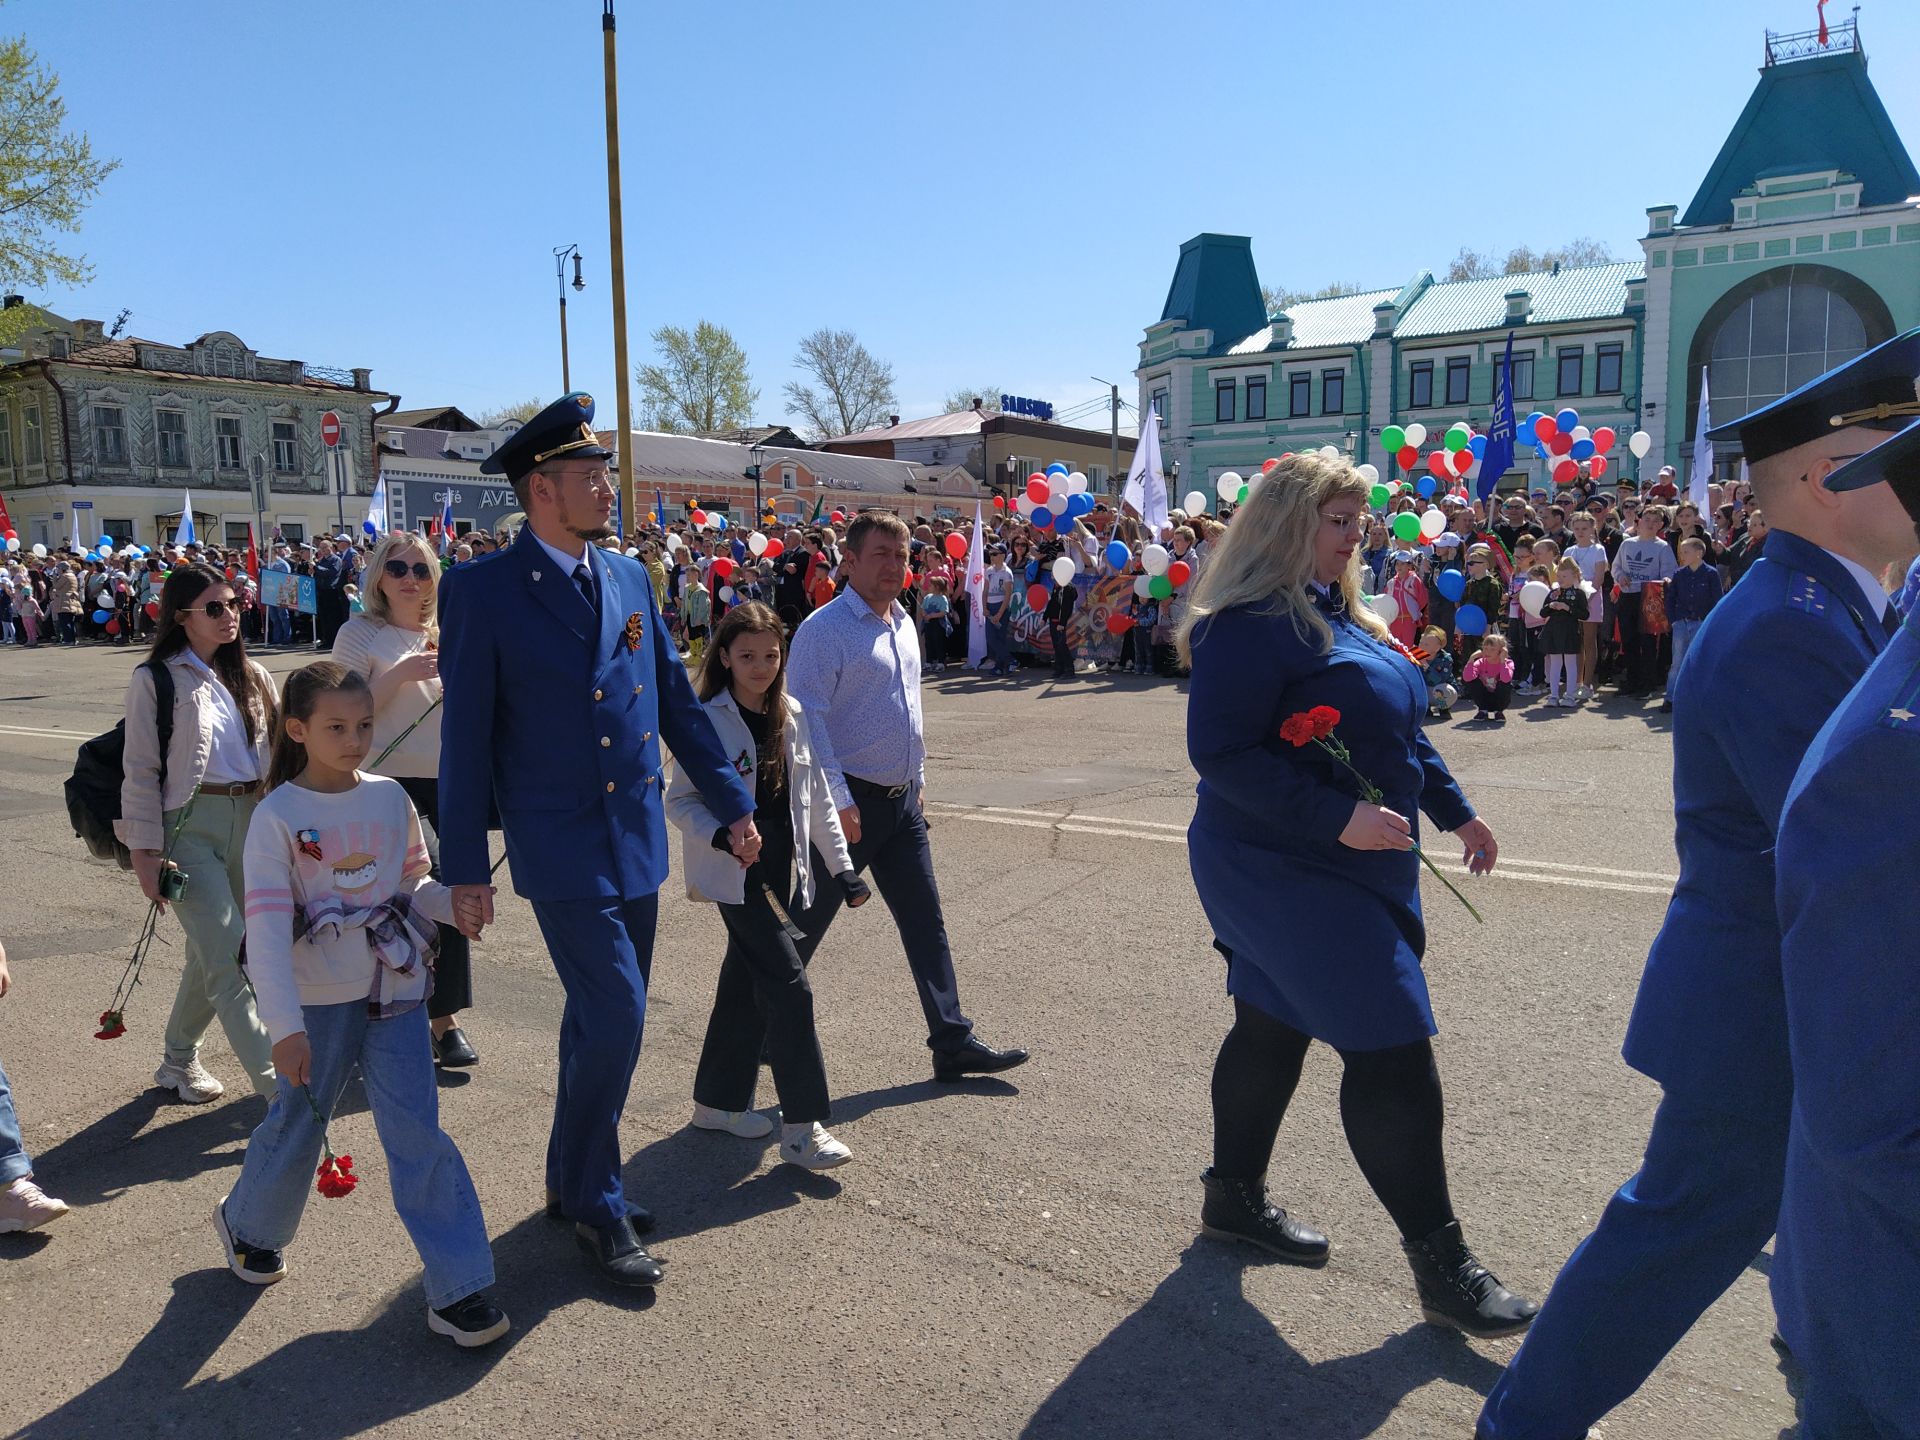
(892, 792)
(245, 787)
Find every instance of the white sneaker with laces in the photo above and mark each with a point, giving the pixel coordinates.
(190, 1081)
(747, 1124)
(25, 1206)
(811, 1147)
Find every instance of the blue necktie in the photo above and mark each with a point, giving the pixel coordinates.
(583, 577)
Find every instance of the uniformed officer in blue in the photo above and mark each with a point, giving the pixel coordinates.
(562, 690)
(1846, 1272)
(1771, 663)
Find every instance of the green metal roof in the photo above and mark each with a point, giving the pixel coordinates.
(1587, 292)
(1340, 320)
(1215, 287)
(1817, 114)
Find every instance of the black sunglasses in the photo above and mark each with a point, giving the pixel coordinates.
(215, 609)
(398, 569)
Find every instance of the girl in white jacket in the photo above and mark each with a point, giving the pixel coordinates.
(742, 678)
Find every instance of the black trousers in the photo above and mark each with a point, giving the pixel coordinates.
(763, 998)
(1639, 650)
(1062, 649)
(453, 971)
(330, 613)
(893, 845)
(1494, 695)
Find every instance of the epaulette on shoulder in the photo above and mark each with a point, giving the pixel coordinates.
(1808, 593)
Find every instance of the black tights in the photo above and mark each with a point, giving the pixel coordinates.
(1389, 1106)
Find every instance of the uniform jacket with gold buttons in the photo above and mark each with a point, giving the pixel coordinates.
(564, 719)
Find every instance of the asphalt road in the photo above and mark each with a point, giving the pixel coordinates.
(1002, 1259)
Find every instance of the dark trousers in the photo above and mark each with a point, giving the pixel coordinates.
(1638, 649)
(1062, 649)
(763, 997)
(1529, 667)
(893, 845)
(330, 614)
(1494, 695)
(453, 971)
(602, 950)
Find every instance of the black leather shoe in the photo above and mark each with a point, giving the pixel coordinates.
(619, 1255)
(453, 1052)
(638, 1216)
(975, 1057)
(1457, 1290)
(1239, 1210)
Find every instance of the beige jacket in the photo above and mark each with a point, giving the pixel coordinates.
(140, 826)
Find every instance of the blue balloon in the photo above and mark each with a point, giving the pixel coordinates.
(1582, 450)
(1118, 555)
(1567, 419)
(719, 522)
(105, 542)
(1451, 583)
(1534, 417)
(1056, 468)
(1081, 504)
(1478, 445)
(1470, 620)
(1042, 518)
(1427, 485)
(100, 617)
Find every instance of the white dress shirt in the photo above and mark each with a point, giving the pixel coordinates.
(857, 675)
(1869, 585)
(230, 758)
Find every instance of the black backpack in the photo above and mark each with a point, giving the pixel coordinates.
(93, 790)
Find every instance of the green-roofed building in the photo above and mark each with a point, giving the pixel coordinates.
(1801, 248)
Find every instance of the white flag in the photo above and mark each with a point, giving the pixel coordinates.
(73, 542)
(184, 534)
(376, 522)
(977, 593)
(1702, 454)
(1146, 489)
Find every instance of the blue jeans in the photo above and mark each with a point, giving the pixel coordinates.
(1683, 633)
(279, 625)
(14, 1160)
(1000, 641)
(432, 1191)
(1670, 1242)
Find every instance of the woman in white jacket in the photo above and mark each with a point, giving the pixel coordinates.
(763, 997)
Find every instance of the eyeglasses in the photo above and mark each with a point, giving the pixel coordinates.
(399, 570)
(219, 609)
(1345, 524)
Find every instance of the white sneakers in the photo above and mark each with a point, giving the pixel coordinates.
(811, 1147)
(190, 1081)
(747, 1124)
(25, 1206)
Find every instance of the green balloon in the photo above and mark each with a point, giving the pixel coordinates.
(1407, 525)
(1458, 437)
(1394, 438)
(1378, 497)
(1245, 491)
(1160, 587)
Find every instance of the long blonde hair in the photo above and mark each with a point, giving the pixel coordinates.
(374, 600)
(1266, 557)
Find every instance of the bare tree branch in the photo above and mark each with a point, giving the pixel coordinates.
(852, 391)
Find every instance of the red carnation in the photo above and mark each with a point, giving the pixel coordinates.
(336, 1177)
(112, 1026)
(1323, 718)
(1297, 729)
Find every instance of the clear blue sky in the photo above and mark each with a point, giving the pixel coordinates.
(983, 193)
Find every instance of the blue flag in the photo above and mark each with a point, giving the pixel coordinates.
(1498, 456)
(659, 507)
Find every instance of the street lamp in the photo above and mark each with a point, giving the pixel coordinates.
(1013, 479)
(560, 256)
(753, 470)
(1353, 437)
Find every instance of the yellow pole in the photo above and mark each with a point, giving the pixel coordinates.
(621, 379)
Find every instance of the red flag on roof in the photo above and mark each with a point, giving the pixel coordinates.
(1821, 6)
(253, 555)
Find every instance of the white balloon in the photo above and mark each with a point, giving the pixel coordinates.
(1063, 571)
(1143, 586)
(1581, 432)
(633, 552)
(757, 543)
(1533, 596)
(1155, 559)
(13, 544)
(1196, 503)
(39, 552)
(1640, 444)
(1023, 503)
(1385, 606)
(726, 593)
(1228, 486)
(1433, 523)
(1076, 483)
(1416, 434)
(1329, 452)
(1056, 492)
(1370, 473)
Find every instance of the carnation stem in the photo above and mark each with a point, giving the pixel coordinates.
(1372, 796)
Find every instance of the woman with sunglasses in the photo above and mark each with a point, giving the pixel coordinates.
(395, 645)
(199, 800)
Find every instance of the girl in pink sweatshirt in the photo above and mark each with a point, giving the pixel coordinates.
(1488, 678)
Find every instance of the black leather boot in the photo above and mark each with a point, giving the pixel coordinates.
(1457, 1290)
(1238, 1210)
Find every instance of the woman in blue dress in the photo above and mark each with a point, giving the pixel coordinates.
(1312, 892)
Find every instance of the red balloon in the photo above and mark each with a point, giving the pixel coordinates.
(1567, 471)
(113, 626)
(153, 609)
(911, 580)
(1406, 457)
(1037, 489)
(999, 502)
(722, 568)
(1599, 466)
(10, 535)
(1036, 597)
(1462, 459)
(1179, 572)
(1546, 427)
(1039, 475)
(957, 545)
(698, 517)
(1603, 439)
(1118, 624)
(839, 516)
(1437, 463)
(1560, 444)
(1266, 467)
(775, 549)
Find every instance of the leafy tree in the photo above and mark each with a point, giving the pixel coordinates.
(852, 391)
(523, 411)
(48, 174)
(1471, 264)
(701, 383)
(958, 400)
(1279, 298)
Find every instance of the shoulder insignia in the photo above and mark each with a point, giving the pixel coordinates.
(1904, 713)
(1804, 592)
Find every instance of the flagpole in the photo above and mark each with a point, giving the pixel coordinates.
(616, 243)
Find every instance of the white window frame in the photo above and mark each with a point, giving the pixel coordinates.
(33, 450)
(185, 462)
(789, 480)
(292, 442)
(239, 439)
(98, 431)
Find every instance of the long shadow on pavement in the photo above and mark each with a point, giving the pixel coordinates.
(1199, 1359)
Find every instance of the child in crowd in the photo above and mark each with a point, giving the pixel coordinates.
(1441, 691)
(1441, 610)
(763, 1000)
(352, 592)
(1484, 591)
(936, 623)
(1591, 556)
(1565, 614)
(1488, 678)
(340, 946)
(1692, 592)
(1145, 611)
(23, 1204)
(1519, 635)
(1531, 665)
(699, 614)
(33, 617)
(1409, 592)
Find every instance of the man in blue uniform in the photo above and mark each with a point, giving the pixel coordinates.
(562, 688)
(1770, 664)
(1846, 1277)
